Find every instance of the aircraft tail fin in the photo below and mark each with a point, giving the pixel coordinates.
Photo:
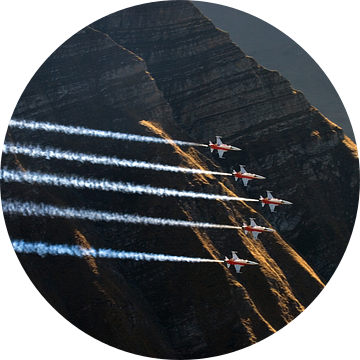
(226, 259)
(245, 230)
(262, 204)
(210, 143)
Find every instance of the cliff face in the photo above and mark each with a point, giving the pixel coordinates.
(209, 82)
(181, 79)
(215, 89)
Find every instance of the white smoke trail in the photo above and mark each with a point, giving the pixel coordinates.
(71, 130)
(82, 183)
(50, 153)
(32, 209)
(43, 249)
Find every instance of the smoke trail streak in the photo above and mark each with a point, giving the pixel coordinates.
(71, 130)
(82, 183)
(43, 249)
(32, 209)
(50, 153)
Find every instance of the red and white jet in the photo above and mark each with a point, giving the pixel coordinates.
(255, 229)
(272, 201)
(245, 176)
(220, 147)
(238, 263)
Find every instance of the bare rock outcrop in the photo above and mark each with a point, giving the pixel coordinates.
(215, 89)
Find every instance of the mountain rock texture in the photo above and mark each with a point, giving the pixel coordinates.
(213, 89)
(164, 70)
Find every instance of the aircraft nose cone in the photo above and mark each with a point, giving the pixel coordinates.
(253, 263)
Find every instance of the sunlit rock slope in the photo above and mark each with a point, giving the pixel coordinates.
(215, 89)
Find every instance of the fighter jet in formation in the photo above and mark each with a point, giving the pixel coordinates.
(272, 201)
(220, 147)
(245, 176)
(255, 229)
(238, 263)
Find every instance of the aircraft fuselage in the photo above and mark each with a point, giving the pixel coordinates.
(240, 262)
(275, 201)
(247, 176)
(223, 147)
(257, 228)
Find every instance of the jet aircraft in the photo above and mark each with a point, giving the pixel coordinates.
(255, 229)
(238, 263)
(220, 147)
(245, 176)
(272, 201)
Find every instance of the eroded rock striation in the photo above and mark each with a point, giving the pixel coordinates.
(215, 89)
(164, 70)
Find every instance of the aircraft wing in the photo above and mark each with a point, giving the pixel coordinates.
(245, 181)
(221, 153)
(218, 140)
(235, 257)
(242, 170)
(272, 207)
(252, 222)
(269, 195)
(255, 234)
(238, 268)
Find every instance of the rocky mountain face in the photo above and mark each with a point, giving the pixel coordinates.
(164, 70)
(274, 50)
(213, 89)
